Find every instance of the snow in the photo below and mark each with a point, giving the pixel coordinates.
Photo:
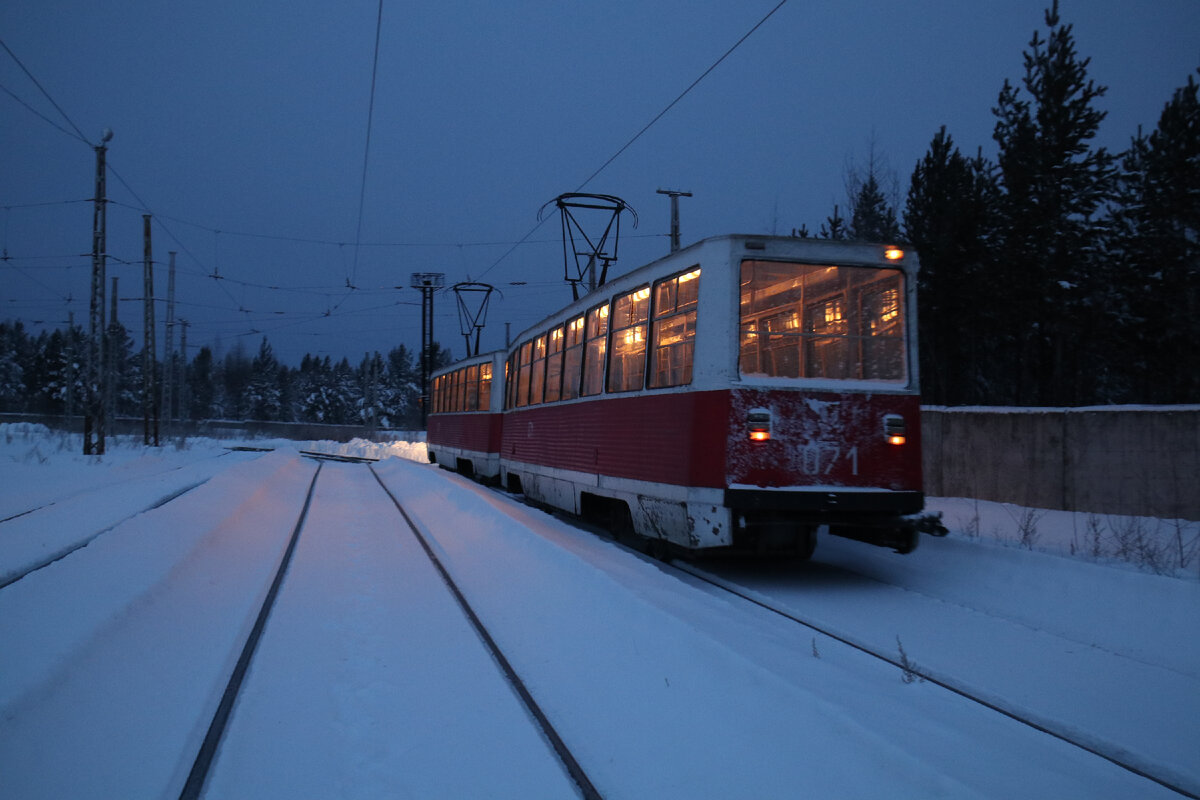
(368, 681)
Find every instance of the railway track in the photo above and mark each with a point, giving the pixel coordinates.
(9, 578)
(206, 760)
(912, 671)
(568, 759)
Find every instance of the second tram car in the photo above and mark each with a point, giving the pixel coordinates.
(739, 393)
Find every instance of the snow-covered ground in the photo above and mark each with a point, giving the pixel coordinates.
(150, 565)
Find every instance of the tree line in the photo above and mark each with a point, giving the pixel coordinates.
(1059, 274)
(44, 374)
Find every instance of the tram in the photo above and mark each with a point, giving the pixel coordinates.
(740, 393)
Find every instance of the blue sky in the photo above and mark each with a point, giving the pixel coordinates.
(242, 127)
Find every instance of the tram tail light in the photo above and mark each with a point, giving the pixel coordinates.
(894, 429)
(758, 425)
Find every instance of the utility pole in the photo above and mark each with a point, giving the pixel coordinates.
(184, 399)
(674, 195)
(93, 421)
(168, 412)
(428, 283)
(111, 348)
(149, 404)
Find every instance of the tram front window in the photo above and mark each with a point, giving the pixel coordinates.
(818, 321)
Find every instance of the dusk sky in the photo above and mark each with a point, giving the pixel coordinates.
(242, 127)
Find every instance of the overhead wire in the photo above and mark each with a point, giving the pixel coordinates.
(362, 192)
(46, 94)
(645, 128)
(358, 244)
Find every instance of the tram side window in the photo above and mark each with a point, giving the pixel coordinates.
(471, 386)
(597, 343)
(537, 386)
(822, 321)
(485, 387)
(573, 358)
(524, 372)
(627, 363)
(554, 364)
(674, 330)
(435, 404)
(510, 382)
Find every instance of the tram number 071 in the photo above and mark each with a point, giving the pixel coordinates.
(821, 458)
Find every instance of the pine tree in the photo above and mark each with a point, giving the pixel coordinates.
(1155, 301)
(949, 219)
(834, 227)
(12, 373)
(262, 392)
(873, 219)
(1053, 184)
(202, 383)
(872, 215)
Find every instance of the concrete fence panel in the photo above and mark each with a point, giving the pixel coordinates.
(1137, 460)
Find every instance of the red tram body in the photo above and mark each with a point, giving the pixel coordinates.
(738, 393)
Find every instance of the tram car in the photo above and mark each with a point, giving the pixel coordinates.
(740, 393)
(464, 422)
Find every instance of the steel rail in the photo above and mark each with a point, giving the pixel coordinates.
(194, 785)
(913, 669)
(564, 754)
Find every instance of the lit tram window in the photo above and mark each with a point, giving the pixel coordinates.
(471, 388)
(573, 358)
(674, 330)
(554, 365)
(821, 321)
(485, 387)
(537, 385)
(627, 362)
(594, 349)
(510, 382)
(524, 372)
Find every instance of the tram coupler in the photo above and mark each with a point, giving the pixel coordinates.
(898, 533)
(930, 523)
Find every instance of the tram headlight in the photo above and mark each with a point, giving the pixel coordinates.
(893, 254)
(758, 425)
(894, 429)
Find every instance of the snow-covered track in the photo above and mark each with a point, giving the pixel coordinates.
(194, 786)
(961, 686)
(11, 576)
(39, 501)
(40, 536)
(564, 753)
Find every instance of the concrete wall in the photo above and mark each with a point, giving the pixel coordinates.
(1138, 460)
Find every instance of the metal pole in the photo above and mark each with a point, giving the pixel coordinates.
(168, 389)
(111, 348)
(149, 404)
(426, 349)
(184, 400)
(674, 195)
(93, 421)
(428, 283)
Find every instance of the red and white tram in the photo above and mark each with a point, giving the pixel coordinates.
(738, 393)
